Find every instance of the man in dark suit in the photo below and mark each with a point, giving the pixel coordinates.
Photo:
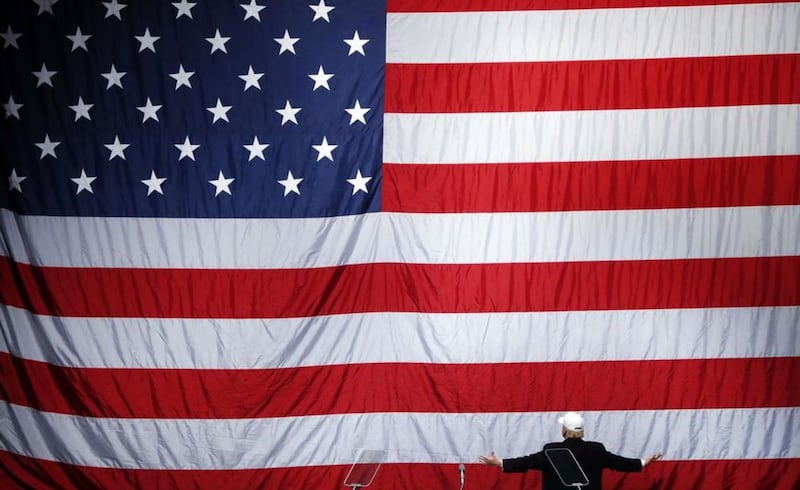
(592, 457)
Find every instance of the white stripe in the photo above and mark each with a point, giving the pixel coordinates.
(637, 134)
(426, 338)
(409, 238)
(407, 437)
(593, 34)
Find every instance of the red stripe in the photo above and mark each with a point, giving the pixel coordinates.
(435, 288)
(586, 186)
(397, 387)
(23, 472)
(397, 6)
(593, 85)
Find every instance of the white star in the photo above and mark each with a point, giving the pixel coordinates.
(182, 78)
(154, 183)
(357, 113)
(81, 109)
(79, 40)
(10, 38)
(359, 183)
(290, 184)
(287, 42)
(324, 150)
(114, 77)
(184, 8)
(117, 149)
(252, 10)
(356, 44)
(187, 149)
(289, 113)
(256, 149)
(15, 180)
(147, 41)
(12, 108)
(84, 182)
(321, 11)
(114, 8)
(43, 76)
(222, 184)
(150, 111)
(48, 147)
(251, 79)
(321, 79)
(220, 111)
(218, 42)
(45, 6)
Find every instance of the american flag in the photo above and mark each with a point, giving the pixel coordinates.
(244, 244)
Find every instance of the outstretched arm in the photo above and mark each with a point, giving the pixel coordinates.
(621, 463)
(515, 465)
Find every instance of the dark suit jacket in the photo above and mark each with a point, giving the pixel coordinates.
(592, 456)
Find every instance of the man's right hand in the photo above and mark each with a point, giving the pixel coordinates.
(654, 457)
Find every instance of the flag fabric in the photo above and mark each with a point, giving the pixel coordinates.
(246, 244)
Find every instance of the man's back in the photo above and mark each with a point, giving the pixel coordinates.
(592, 456)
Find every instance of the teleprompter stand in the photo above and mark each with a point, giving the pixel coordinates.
(365, 468)
(567, 467)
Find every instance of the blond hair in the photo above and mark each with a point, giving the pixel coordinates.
(571, 434)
